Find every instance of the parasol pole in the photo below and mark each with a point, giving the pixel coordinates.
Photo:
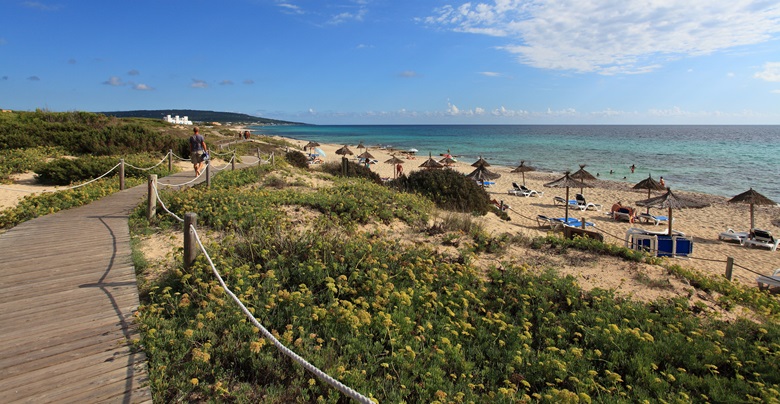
(752, 226)
(566, 217)
(670, 220)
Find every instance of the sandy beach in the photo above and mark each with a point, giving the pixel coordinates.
(702, 225)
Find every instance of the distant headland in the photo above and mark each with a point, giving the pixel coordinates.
(200, 116)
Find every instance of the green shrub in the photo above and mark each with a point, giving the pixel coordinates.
(449, 190)
(353, 170)
(67, 171)
(297, 159)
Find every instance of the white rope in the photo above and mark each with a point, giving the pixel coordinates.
(226, 165)
(149, 168)
(222, 154)
(180, 158)
(185, 183)
(88, 182)
(308, 366)
(157, 194)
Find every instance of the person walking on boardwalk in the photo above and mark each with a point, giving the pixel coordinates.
(197, 149)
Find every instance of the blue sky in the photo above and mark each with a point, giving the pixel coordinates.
(400, 61)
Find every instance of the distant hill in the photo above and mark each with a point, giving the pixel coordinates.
(199, 116)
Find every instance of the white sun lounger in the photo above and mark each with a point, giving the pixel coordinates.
(762, 238)
(735, 236)
(766, 282)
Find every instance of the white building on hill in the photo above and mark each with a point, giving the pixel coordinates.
(176, 120)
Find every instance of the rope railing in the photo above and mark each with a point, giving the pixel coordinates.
(152, 167)
(179, 157)
(349, 392)
(157, 196)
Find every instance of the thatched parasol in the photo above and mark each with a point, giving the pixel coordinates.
(753, 198)
(360, 145)
(522, 168)
(431, 164)
(482, 174)
(650, 185)
(344, 151)
(481, 162)
(366, 155)
(671, 201)
(582, 175)
(447, 161)
(311, 145)
(566, 182)
(394, 161)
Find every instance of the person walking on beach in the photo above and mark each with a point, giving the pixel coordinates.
(197, 148)
(399, 169)
(662, 183)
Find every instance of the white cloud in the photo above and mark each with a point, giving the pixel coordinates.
(612, 36)
(34, 78)
(771, 72)
(40, 6)
(142, 87)
(775, 91)
(408, 73)
(226, 83)
(249, 81)
(133, 72)
(289, 8)
(490, 74)
(114, 81)
(199, 84)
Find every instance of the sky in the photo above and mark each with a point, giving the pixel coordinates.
(400, 61)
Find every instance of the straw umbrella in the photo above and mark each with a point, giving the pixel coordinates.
(310, 145)
(481, 162)
(522, 168)
(431, 164)
(360, 145)
(566, 182)
(671, 201)
(344, 151)
(650, 185)
(482, 174)
(366, 155)
(582, 175)
(447, 161)
(394, 161)
(753, 198)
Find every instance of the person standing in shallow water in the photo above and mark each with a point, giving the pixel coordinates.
(197, 148)
(633, 167)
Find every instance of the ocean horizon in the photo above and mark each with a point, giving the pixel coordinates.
(722, 160)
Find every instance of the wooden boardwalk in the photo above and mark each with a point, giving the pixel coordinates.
(67, 296)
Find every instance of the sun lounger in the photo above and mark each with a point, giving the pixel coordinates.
(557, 200)
(622, 214)
(735, 236)
(522, 190)
(762, 238)
(766, 282)
(544, 221)
(647, 218)
(585, 205)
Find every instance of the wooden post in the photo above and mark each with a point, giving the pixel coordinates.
(151, 210)
(273, 160)
(729, 268)
(258, 153)
(233, 162)
(208, 175)
(170, 159)
(583, 222)
(344, 165)
(121, 174)
(190, 244)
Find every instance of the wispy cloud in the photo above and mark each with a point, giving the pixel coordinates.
(142, 87)
(408, 74)
(34, 78)
(226, 83)
(491, 74)
(771, 72)
(199, 84)
(612, 36)
(133, 72)
(289, 8)
(114, 81)
(41, 6)
(249, 81)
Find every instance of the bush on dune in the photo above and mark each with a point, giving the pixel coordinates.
(449, 189)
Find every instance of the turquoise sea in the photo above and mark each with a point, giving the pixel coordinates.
(719, 160)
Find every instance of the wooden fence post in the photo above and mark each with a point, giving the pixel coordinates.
(190, 244)
(729, 268)
(258, 153)
(121, 174)
(208, 174)
(233, 162)
(151, 209)
(170, 159)
(583, 222)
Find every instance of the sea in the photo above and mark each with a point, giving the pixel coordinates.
(723, 160)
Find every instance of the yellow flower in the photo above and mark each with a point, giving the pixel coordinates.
(194, 381)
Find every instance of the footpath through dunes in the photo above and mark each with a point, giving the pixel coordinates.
(67, 297)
